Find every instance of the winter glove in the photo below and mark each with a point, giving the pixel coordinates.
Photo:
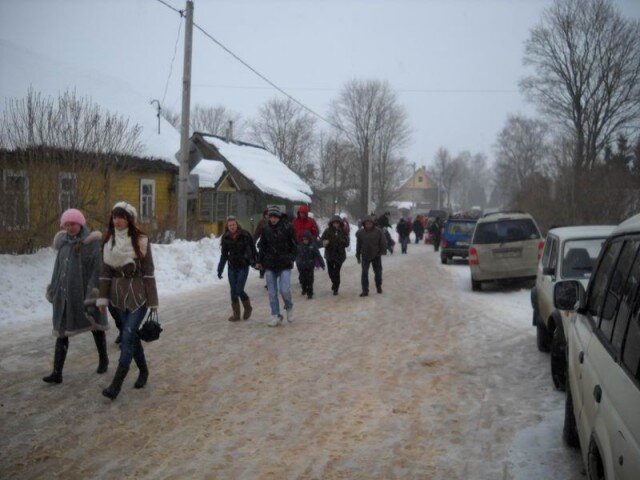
(49, 293)
(220, 275)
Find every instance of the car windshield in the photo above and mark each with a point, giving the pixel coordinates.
(505, 231)
(460, 228)
(579, 257)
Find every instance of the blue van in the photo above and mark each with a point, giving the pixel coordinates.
(456, 238)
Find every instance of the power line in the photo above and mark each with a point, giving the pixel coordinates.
(336, 89)
(175, 50)
(263, 77)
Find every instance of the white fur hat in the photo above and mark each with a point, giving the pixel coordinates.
(130, 209)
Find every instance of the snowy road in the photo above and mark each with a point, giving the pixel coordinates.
(427, 380)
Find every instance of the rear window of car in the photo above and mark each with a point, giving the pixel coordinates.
(579, 257)
(505, 231)
(460, 228)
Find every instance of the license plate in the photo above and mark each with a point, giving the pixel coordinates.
(462, 244)
(512, 253)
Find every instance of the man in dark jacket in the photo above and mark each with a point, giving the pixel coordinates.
(335, 240)
(277, 250)
(404, 230)
(418, 228)
(434, 233)
(370, 246)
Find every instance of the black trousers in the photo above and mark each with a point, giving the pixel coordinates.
(376, 263)
(306, 280)
(334, 274)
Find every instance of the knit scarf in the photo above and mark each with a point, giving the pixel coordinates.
(122, 252)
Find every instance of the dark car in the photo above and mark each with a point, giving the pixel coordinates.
(456, 238)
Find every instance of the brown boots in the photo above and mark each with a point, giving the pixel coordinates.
(247, 309)
(235, 305)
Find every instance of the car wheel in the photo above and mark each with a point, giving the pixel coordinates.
(443, 259)
(542, 337)
(558, 358)
(476, 286)
(569, 430)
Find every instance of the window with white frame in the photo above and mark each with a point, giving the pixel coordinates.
(147, 199)
(15, 199)
(67, 190)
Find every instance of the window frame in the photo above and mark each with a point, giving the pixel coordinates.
(152, 183)
(72, 195)
(15, 225)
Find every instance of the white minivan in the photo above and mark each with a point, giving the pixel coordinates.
(602, 412)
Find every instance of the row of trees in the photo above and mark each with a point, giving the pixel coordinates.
(579, 161)
(366, 124)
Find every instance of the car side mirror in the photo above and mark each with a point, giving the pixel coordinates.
(549, 271)
(568, 295)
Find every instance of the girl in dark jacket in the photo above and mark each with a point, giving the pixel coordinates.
(335, 241)
(237, 248)
(308, 255)
(73, 290)
(127, 283)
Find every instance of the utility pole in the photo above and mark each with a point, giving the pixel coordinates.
(413, 190)
(369, 178)
(183, 178)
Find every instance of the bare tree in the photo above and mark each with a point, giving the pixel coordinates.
(521, 152)
(287, 131)
(586, 60)
(368, 116)
(448, 172)
(338, 169)
(214, 120)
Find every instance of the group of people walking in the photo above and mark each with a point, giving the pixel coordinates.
(91, 274)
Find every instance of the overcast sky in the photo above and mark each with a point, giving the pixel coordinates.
(455, 64)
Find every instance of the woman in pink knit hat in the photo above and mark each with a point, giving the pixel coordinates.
(73, 290)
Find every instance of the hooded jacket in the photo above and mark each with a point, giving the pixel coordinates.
(370, 243)
(303, 223)
(337, 240)
(308, 254)
(74, 283)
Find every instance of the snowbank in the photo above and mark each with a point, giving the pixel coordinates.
(180, 267)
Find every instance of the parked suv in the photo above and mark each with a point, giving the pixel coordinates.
(569, 253)
(505, 245)
(456, 237)
(602, 412)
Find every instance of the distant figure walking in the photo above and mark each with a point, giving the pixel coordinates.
(277, 250)
(418, 228)
(239, 252)
(335, 241)
(370, 246)
(404, 231)
(128, 283)
(435, 232)
(73, 290)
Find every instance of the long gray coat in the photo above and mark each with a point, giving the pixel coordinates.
(74, 283)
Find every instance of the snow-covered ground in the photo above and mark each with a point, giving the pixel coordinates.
(180, 267)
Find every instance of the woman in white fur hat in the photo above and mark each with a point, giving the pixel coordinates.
(128, 284)
(73, 290)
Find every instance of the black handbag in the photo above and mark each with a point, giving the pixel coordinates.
(150, 328)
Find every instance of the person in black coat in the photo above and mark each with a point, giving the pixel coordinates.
(404, 230)
(335, 241)
(306, 260)
(277, 251)
(435, 231)
(418, 229)
(370, 246)
(239, 251)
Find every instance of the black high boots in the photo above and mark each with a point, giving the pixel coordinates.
(143, 376)
(62, 345)
(101, 344)
(235, 306)
(247, 308)
(113, 390)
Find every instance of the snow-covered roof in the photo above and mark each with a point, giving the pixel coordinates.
(582, 231)
(401, 205)
(265, 170)
(21, 69)
(210, 172)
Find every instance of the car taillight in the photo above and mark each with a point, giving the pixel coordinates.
(445, 243)
(473, 257)
(540, 249)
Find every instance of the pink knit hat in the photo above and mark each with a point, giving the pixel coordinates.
(72, 216)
